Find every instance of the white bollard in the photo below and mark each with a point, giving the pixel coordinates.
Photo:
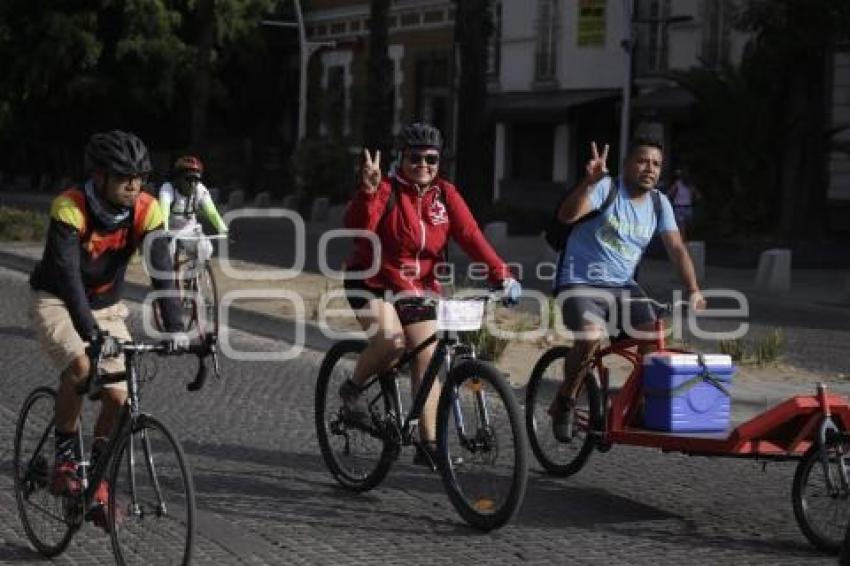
(497, 234)
(319, 210)
(336, 214)
(774, 271)
(236, 199)
(290, 202)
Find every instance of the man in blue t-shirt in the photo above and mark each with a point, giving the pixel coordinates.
(596, 271)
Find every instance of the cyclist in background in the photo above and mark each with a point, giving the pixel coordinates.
(183, 197)
(76, 292)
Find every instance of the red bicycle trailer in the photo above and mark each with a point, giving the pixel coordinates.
(808, 428)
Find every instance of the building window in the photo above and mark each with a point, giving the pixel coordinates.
(715, 33)
(338, 28)
(433, 94)
(410, 19)
(335, 96)
(532, 151)
(547, 39)
(355, 26)
(434, 17)
(321, 30)
(651, 56)
(495, 41)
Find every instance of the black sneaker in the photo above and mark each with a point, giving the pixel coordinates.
(426, 455)
(354, 408)
(563, 418)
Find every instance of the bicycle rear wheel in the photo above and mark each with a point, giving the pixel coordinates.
(49, 521)
(823, 512)
(560, 458)
(151, 498)
(358, 455)
(482, 446)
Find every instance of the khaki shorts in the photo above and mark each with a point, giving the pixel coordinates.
(53, 328)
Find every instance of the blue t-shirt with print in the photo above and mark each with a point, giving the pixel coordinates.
(605, 250)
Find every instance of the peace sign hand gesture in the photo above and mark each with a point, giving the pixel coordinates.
(596, 168)
(370, 171)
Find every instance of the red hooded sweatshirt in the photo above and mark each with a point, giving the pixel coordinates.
(414, 233)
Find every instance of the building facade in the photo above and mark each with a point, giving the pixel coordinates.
(562, 68)
(421, 48)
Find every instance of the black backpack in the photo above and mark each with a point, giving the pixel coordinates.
(557, 233)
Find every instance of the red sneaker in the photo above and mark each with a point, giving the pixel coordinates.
(98, 513)
(65, 480)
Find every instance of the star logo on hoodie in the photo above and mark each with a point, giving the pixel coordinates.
(437, 213)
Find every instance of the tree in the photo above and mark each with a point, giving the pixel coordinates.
(377, 125)
(152, 66)
(217, 26)
(761, 139)
(794, 41)
(473, 28)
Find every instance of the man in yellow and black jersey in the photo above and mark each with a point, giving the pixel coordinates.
(76, 288)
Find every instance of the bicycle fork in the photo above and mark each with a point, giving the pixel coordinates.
(827, 433)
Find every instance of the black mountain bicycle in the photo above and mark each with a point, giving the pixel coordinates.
(151, 505)
(481, 443)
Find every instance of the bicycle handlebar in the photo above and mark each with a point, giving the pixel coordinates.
(201, 350)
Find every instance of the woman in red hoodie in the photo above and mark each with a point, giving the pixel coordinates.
(412, 213)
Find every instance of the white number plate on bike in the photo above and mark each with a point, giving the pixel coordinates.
(460, 315)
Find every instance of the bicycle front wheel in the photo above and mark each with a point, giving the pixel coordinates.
(151, 498)
(49, 521)
(821, 506)
(482, 445)
(358, 454)
(560, 458)
(206, 312)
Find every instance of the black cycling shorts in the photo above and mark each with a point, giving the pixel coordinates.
(410, 310)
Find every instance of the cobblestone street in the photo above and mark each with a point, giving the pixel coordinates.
(264, 496)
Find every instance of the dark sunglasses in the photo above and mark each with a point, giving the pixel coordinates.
(416, 157)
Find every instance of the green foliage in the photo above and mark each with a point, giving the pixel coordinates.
(735, 349)
(70, 68)
(760, 135)
(487, 346)
(769, 349)
(324, 169)
(762, 352)
(22, 225)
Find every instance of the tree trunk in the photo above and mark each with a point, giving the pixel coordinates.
(472, 30)
(377, 127)
(203, 71)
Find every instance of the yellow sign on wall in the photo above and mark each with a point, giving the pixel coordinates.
(591, 23)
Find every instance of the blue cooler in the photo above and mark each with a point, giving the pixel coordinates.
(687, 392)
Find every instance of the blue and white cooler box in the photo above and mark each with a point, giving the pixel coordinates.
(687, 392)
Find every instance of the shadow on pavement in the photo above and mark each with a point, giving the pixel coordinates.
(19, 553)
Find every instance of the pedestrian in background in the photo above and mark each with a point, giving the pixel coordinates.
(682, 195)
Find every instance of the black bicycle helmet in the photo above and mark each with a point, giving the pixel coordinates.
(119, 152)
(419, 134)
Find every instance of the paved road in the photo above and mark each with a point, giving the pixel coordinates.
(265, 497)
